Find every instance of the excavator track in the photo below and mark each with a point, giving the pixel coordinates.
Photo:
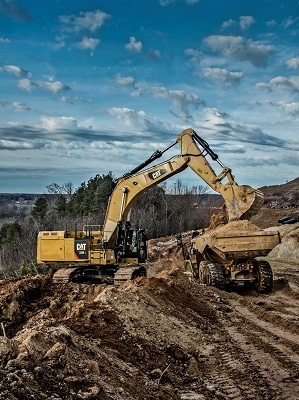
(128, 272)
(63, 275)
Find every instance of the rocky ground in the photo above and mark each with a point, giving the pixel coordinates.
(161, 337)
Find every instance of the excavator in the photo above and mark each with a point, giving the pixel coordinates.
(116, 252)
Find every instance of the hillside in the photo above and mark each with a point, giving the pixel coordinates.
(282, 196)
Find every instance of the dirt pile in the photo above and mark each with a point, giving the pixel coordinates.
(288, 250)
(233, 227)
(161, 337)
(143, 340)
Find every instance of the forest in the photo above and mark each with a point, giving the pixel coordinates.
(164, 210)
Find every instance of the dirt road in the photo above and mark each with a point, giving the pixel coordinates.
(161, 337)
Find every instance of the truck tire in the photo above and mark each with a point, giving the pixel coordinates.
(211, 274)
(264, 277)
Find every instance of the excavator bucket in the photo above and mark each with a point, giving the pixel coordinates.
(243, 203)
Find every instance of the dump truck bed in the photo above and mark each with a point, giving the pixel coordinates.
(235, 245)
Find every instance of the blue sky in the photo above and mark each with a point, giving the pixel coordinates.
(91, 86)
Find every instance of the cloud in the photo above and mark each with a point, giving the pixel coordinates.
(228, 24)
(75, 100)
(91, 21)
(140, 121)
(167, 2)
(57, 123)
(271, 23)
(290, 108)
(241, 50)
(129, 116)
(15, 145)
(153, 54)
(181, 100)
(222, 127)
(223, 76)
(14, 11)
(246, 21)
(281, 82)
(17, 71)
(17, 137)
(4, 40)
(293, 63)
(26, 84)
(193, 54)
(125, 81)
(287, 22)
(20, 106)
(53, 87)
(134, 46)
(88, 43)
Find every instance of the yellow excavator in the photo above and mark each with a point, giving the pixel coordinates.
(115, 252)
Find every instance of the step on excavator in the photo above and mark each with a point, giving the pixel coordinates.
(116, 252)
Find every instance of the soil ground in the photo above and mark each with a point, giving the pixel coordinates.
(160, 337)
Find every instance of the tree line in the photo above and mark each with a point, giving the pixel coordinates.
(162, 210)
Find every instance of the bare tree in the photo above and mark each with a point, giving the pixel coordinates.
(69, 188)
(66, 188)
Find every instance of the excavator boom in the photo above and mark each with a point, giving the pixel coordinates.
(131, 186)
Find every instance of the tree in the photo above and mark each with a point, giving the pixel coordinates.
(69, 188)
(40, 209)
(66, 188)
(9, 232)
(60, 205)
(55, 188)
(89, 199)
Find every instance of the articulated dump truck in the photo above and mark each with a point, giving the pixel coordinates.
(231, 255)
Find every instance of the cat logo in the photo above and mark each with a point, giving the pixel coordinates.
(81, 249)
(81, 246)
(156, 174)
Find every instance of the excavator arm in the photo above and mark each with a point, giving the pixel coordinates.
(241, 202)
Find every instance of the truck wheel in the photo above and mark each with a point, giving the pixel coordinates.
(264, 277)
(211, 274)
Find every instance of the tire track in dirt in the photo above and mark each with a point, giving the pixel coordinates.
(261, 322)
(231, 376)
(277, 377)
(269, 349)
(230, 373)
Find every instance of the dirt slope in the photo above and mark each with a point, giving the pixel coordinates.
(161, 337)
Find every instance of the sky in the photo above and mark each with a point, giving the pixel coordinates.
(91, 86)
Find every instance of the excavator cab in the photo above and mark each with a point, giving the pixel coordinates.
(130, 243)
